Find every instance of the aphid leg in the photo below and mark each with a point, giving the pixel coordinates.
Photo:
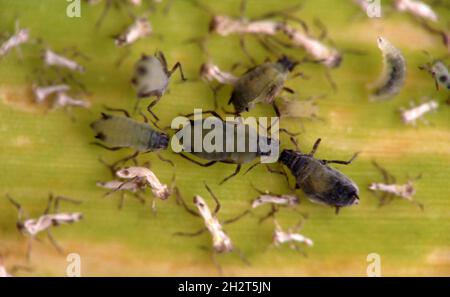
(289, 90)
(125, 112)
(388, 178)
(261, 192)
(49, 204)
(238, 169)
(183, 203)
(242, 256)
(121, 200)
(337, 209)
(216, 200)
(105, 11)
(54, 242)
(270, 214)
(58, 199)
(165, 160)
(295, 143)
(322, 28)
(236, 218)
(105, 147)
(282, 172)
(175, 67)
(191, 234)
(251, 167)
(151, 105)
(113, 166)
(216, 263)
(315, 147)
(197, 162)
(17, 206)
(28, 250)
(245, 51)
(292, 134)
(341, 162)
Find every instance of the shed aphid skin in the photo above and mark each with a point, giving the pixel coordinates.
(388, 190)
(299, 109)
(223, 155)
(319, 51)
(136, 187)
(291, 237)
(440, 73)
(366, 6)
(394, 71)
(50, 218)
(53, 59)
(410, 116)
(261, 84)
(275, 201)
(151, 78)
(141, 28)
(321, 183)
(41, 93)
(20, 37)
(64, 100)
(221, 242)
(417, 9)
(211, 72)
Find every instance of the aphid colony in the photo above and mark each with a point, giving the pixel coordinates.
(262, 83)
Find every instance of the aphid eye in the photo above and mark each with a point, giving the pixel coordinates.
(141, 70)
(201, 204)
(125, 172)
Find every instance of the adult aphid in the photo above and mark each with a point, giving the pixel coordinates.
(291, 237)
(117, 132)
(151, 77)
(141, 28)
(261, 84)
(394, 71)
(53, 59)
(411, 115)
(21, 36)
(388, 190)
(417, 9)
(221, 242)
(321, 183)
(223, 154)
(50, 218)
(275, 201)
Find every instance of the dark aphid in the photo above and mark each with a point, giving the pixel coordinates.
(151, 77)
(224, 154)
(261, 84)
(321, 183)
(118, 132)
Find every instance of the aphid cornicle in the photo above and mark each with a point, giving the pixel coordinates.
(262, 83)
(321, 183)
(123, 132)
(394, 71)
(151, 77)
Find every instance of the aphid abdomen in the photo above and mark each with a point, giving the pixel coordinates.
(117, 131)
(150, 77)
(394, 71)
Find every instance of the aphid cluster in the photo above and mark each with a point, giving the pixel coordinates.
(262, 83)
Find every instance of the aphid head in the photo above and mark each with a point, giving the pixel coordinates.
(345, 193)
(287, 157)
(287, 63)
(334, 61)
(163, 142)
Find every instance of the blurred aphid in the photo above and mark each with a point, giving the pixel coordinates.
(220, 240)
(50, 218)
(394, 71)
(64, 100)
(261, 84)
(151, 78)
(291, 237)
(42, 92)
(369, 8)
(417, 9)
(440, 73)
(410, 116)
(299, 109)
(389, 190)
(139, 29)
(20, 37)
(321, 183)
(53, 59)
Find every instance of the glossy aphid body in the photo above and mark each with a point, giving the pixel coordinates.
(321, 183)
(411, 115)
(416, 8)
(141, 28)
(123, 132)
(261, 84)
(151, 77)
(394, 71)
(50, 218)
(388, 190)
(223, 154)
